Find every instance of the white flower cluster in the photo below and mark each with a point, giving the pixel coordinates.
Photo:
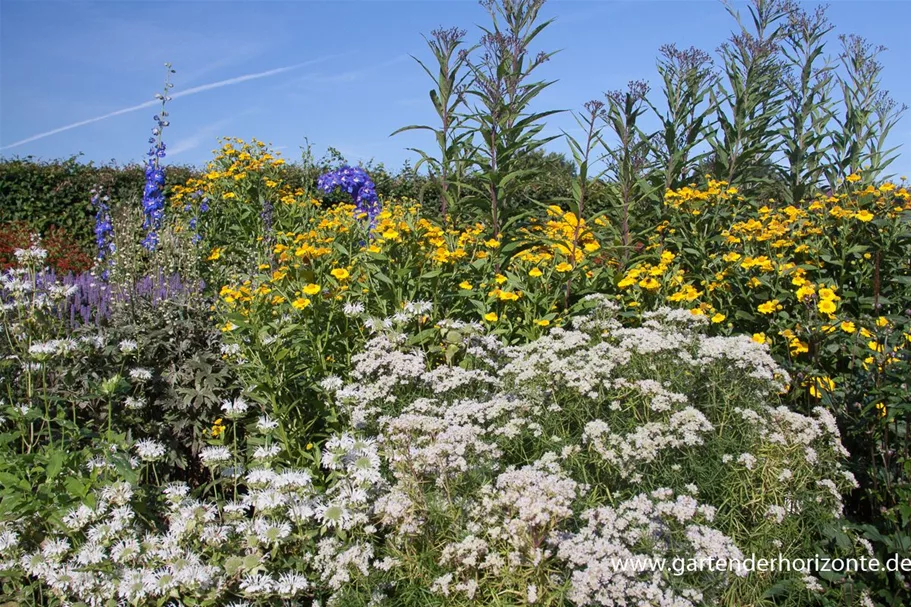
(644, 527)
(526, 472)
(213, 553)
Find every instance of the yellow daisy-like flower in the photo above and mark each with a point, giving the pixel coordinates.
(215, 254)
(769, 307)
(876, 347)
(491, 317)
(820, 385)
(535, 272)
(719, 317)
(340, 273)
(466, 285)
(826, 306)
(852, 178)
(759, 338)
(563, 267)
(542, 322)
(500, 279)
(806, 291)
(493, 243)
(864, 216)
(882, 321)
(848, 326)
(507, 296)
(311, 289)
(626, 282)
(300, 303)
(649, 284)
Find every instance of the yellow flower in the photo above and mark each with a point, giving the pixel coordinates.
(500, 279)
(820, 385)
(491, 317)
(535, 272)
(340, 273)
(493, 243)
(769, 307)
(798, 347)
(719, 317)
(218, 428)
(827, 306)
(563, 267)
(300, 303)
(649, 284)
(852, 178)
(805, 291)
(390, 234)
(543, 322)
(465, 285)
(311, 289)
(507, 296)
(876, 347)
(229, 326)
(215, 254)
(864, 216)
(759, 338)
(826, 293)
(882, 409)
(882, 321)
(627, 282)
(848, 326)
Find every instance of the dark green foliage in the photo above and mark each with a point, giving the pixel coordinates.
(57, 193)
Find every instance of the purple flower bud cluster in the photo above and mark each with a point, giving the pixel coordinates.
(357, 183)
(92, 301)
(104, 229)
(153, 193)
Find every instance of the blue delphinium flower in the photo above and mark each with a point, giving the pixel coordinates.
(190, 206)
(104, 230)
(153, 193)
(357, 183)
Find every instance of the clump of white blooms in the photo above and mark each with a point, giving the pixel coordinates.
(487, 471)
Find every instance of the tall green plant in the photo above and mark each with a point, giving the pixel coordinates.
(629, 159)
(589, 123)
(504, 125)
(869, 115)
(810, 105)
(749, 100)
(449, 95)
(688, 78)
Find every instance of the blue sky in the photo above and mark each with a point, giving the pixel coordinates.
(337, 73)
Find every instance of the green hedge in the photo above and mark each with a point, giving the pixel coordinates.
(58, 193)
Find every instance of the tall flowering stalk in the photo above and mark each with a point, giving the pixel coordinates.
(104, 230)
(153, 193)
(359, 186)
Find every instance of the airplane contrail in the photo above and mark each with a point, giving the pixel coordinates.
(190, 91)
